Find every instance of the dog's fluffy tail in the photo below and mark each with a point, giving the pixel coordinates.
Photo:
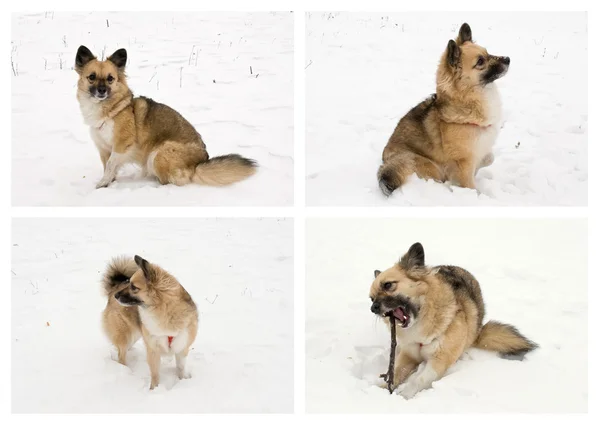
(394, 172)
(118, 271)
(505, 340)
(224, 170)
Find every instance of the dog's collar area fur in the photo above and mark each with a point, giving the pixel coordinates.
(469, 123)
(115, 111)
(478, 125)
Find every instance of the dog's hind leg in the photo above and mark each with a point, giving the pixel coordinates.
(176, 162)
(395, 170)
(180, 359)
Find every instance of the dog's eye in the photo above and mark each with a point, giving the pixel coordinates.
(110, 79)
(92, 77)
(480, 61)
(134, 288)
(387, 286)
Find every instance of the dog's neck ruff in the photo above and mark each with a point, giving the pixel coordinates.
(469, 123)
(122, 104)
(478, 125)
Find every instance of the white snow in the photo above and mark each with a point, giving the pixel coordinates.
(197, 63)
(238, 271)
(533, 275)
(365, 71)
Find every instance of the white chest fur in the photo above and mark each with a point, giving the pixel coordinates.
(489, 132)
(101, 130)
(103, 135)
(160, 336)
(494, 104)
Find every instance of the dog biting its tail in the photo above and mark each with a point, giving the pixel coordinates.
(119, 270)
(505, 340)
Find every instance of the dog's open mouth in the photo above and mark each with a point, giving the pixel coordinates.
(401, 315)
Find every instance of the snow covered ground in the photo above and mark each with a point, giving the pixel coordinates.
(239, 272)
(533, 274)
(365, 71)
(229, 74)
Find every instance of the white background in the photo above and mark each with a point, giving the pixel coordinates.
(300, 212)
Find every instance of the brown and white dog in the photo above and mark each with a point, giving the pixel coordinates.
(145, 300)
(439, 315)
(138, 130)
(449, 136)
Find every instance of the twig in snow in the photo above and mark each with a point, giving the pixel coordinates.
(309, 64)
(389, 376)
(180, 76)
(191, 55)
(250, 69)
(35, 287)
(213, 301)
(11, 270)
(107, 24)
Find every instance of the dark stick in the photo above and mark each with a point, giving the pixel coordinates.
(390, 374)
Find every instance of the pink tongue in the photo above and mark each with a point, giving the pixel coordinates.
(399, 314)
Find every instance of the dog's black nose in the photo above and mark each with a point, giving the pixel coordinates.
(505, 60)
(376, 307)
(101, 90)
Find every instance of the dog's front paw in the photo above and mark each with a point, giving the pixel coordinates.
(103, 183)
(408, 391)
(153, 384)
(183, 374)
(384, 384)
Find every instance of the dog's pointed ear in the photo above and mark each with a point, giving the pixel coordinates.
(464, 34)
(453, 54)
(83, 56)
(146, 267)
(415, 257)
(119, 58)
(377, 273)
